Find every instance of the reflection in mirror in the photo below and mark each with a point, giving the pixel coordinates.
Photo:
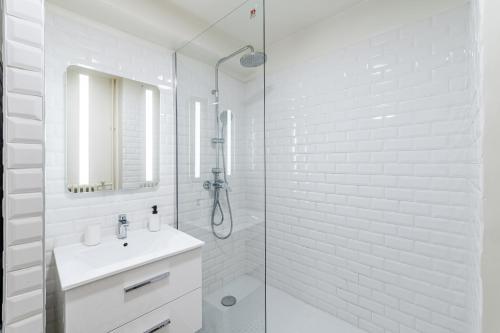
(89, 131)
(138, 128)
(112, 132)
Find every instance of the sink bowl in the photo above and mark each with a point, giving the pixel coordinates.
(78, 264)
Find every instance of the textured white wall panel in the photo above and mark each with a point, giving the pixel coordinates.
(20, 205)
(24, 130)
(24, 82)
(24, 255)
(34, 324)
(22, 31)
(24, 280)
(24, 287)
(27, 9)
(26, 180)
(23, 56)
(23, 306)
(20, 155)
(24, 230)
(24, 106)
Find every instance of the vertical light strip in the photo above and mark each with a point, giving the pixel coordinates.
(83, 130)
(197, 138)
(149, 135)
(228, 146)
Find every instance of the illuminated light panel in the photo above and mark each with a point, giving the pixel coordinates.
(83, 130)
(229, 139)
(197, 138)
(149, 135)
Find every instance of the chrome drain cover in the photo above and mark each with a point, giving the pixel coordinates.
(228, 300)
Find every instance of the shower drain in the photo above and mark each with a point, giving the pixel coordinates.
(228, 300)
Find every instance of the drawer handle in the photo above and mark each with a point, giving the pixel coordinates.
(147, 282)
(158, 327)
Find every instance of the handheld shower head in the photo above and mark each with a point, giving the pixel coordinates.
(223, 116)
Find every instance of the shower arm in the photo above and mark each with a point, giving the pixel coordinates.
(223, 60)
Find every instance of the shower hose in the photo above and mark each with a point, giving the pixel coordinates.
(216, 203)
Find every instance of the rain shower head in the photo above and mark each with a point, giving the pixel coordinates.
(253, 59)
(249, 60)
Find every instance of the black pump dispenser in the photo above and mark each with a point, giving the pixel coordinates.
(155, 209)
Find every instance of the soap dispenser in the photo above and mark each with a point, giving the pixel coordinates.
(154, 220)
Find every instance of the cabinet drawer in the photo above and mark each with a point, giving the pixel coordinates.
(111, 302)
(180, 316)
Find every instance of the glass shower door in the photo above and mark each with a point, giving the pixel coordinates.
(220, 165)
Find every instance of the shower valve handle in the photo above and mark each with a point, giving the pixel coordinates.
(216, 185)
(219, 184)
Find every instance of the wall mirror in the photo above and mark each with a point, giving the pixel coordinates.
(112, 132)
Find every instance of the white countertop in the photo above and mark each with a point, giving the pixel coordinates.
(79, 264)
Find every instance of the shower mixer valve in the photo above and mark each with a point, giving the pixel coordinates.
(218, 184)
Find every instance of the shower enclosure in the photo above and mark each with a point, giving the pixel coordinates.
(332, 171)
(220, 163)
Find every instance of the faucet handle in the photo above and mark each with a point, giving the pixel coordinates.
(122, 218)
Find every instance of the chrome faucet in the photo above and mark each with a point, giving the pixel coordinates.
(121, 231)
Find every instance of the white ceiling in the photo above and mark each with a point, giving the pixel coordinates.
(174, 22)
(284, 17)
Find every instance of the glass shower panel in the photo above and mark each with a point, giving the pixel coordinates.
(220, 147)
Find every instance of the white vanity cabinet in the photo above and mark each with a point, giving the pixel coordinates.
(162, 295)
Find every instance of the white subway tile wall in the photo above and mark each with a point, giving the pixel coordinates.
(23, 89)
(372, 179)
(72, 40)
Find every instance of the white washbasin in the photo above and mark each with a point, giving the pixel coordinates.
(79, 264)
